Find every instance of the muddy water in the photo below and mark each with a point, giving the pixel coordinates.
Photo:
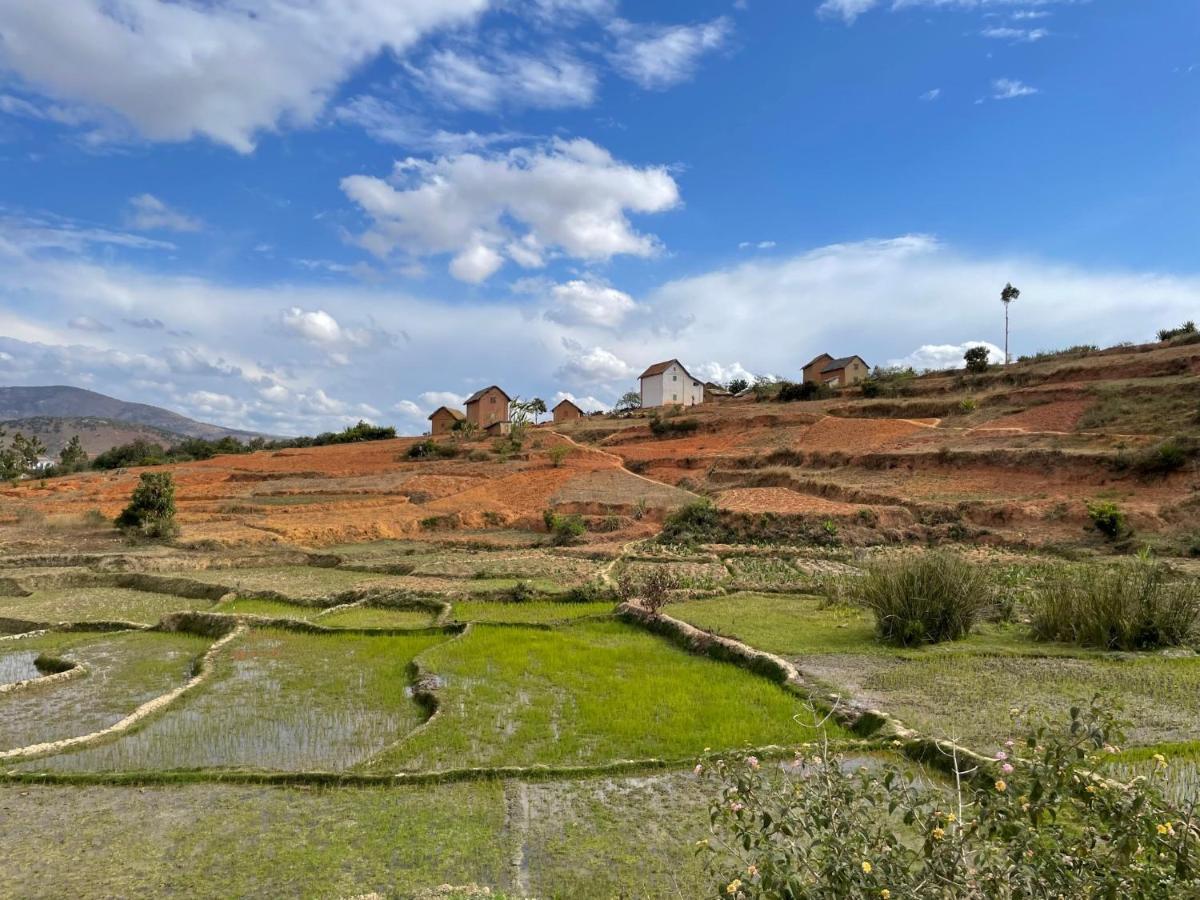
(18, 666)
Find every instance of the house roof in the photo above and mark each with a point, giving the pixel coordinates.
(714, 388)
(565, 402)
(837, 364)
(660, 367)
(816, 359)
(474, 398)
(456, 414)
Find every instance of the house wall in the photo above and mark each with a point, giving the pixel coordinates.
(441, 422)
(812, 372)
(566, 413)
(852, 374)
(492, 407)
(672, 387)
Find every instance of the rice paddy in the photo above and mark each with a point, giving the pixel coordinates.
(123, 670)
(94, 604)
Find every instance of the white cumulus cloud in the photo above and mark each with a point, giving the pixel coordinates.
(571, 195)
(944, 356)
(1009, 88)
(589, 302)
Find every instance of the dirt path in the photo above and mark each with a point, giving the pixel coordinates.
(620, 463)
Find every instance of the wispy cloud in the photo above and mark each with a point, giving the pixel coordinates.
(661, 56)
(930, 95)
(1017, 35)
(147, 213)
(1010, 89)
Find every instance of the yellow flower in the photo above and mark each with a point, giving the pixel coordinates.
(1166, 828)
(733, 887)
(1001, 786)
(938, 834)
(885, 894)
(1160, 759)
(1091, 789)
(866, 867)
(951, 818)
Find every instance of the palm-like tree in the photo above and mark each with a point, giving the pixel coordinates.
(1007, 296)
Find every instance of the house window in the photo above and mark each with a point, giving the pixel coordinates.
(674, 377)
(674, 397)
(493, 401)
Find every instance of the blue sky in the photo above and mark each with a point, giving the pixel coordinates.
(288, 215)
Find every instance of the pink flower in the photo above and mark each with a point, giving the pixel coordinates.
(1006, 769)
(1001, 755)
(699, 768)
(736, 807)
(1008, 743)
(752, 762)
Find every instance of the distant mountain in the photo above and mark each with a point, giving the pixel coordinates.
(101, 421)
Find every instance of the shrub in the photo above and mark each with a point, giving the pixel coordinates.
(558, 454)
(151, 509)
(479, 456)
(589, 592)
(925, 598)
(431, 449)
(653, 589)
(1108, 519)
(1130, 606)
(520, 592)
(967, 405)
(888, 382)
(1038, 824)
(1164, 457)
(672, 427)
(976, 359)
(697, 522)
(790, 391)
(563, 530)
(1166, 334)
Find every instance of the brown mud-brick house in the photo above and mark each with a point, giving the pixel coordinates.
(566, 411)
(443, 419)
(836, 372)
(487, 409)
(714, 392)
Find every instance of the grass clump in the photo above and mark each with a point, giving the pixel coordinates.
(564, 530)
(1130, 606)
(431, 449)
(923, 599)
(673, 427)
(1164, 457)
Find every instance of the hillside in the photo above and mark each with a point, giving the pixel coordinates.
(1012, 457)
(96, 434)
(51, 411)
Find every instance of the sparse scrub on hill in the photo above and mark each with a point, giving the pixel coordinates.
(888, 382)
(563, 530)
(1164, 457)
(1035, 821)
(652, 590)
(1076, 350)
(151, 510)
(698, 522)
(558, 454)
(1138, 605)
(793, 392)
(670, 427)
(1168, 334)
(923, 599)
(1108, 519)
(431, 449)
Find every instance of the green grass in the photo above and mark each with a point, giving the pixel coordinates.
(95, 604)
(788, 624)
(585, 694)
(968, 694)
(527, 564)
(528, 611)
(210, 841)
(1180, 778)
(125, 670)
(375, 617)
(279, 700)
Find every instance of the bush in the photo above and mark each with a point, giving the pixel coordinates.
(431, 449)
(1035, 822)
(563, 530)
(697, 522)
(967, 405)
(521, 592)
(1188, 327)
(925, 598)
(1129, 606)
(653, 589)
(1108, 519)
(976, 359)
(589, 592)
(151, 509)
(558, 454)
(888, 382)
(673, 427)
(1164, 457)
(790, 391)
(135, 453)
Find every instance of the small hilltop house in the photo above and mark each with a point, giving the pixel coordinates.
(443, 419)
(670, 384)
(836, 373)
(566, 411)
(713, 392)
(487, 409)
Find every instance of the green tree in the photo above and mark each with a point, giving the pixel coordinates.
(537, 406)
(151, 509)
(1007, 296)
(976, 359)
(737, 385)
(72, 458)
(28, 451)
(629, 401)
